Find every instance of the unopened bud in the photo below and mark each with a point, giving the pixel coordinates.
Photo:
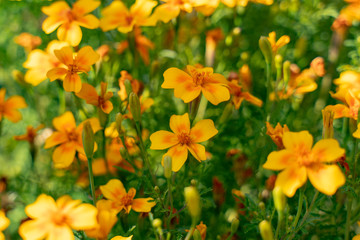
(128, 87)
(103, 117)
(278, 61)
(157, 189)
(266, 49)
(279, 199)
(157, 223)
(328, 119)
(88, 140)
(167, 167)
(290, 218)
(197, 235)
(118, 121)
(135, 106)
(261, 205)
(286, 73)
(265, 230)
(192, 199)
(193, 182)
(244, 56)
(234, 225)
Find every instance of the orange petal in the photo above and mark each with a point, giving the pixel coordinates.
(113, 190)
(82, 217)
(15, 102)
(180, 123)
(326, 178)
(187, 91)
(327, 150)
(51, 23)
(65, 55)
(41, 207)
(113, 15)
(64, 155)
(252, 99)
(99, 167)
(339, 110)
(178, 155)
(70, 33)
(89, 21)
(55, 139)
(56, 73)
(34, 229)
(215, 93)
(89, 94)
(65, 122)
(87, 56)
(55, 8)
(163, 139)
(198, 151)
(173, 77)
(203, 130)
(283, 40)
(107, 107)
(278, 160)
(12, 114)
(82, 7)
(291, 179)
(296, 140)
(2, 95)
(143, 204)
(72, 83)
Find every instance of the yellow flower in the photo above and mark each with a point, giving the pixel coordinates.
(70, 19)
(122, 238)
(183, 139)
(69, 139)
(4, 223)
(244, 3)
(115, 192)
(200, 80)
(9, 108)
(300, 160)
(239, 95)
(106, 219)
(117, 15)
(55, 220)
(276, 45)
(350, 110)
(79, 63)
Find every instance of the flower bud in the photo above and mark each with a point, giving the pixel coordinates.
(118, 121)
(157, 223)
(128, 86)
(88, 140)
(278, 61)
(135, 106)
(103, 117)
(266, 49)
(328, 119)
(261, 205)
(192, 199)
(167, 166)
(197, 235)
(265, 230)
(279, 199)
(234, 225)
(286, 73)
(157, 189)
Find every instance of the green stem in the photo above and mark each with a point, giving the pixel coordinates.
(91, 179)
(104, 151)
(190, 233)
(279, 224)
(171, 202)
(298, 214)
(1, 124)
(268, 89)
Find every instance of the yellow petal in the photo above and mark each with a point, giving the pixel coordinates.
(113, 190)
(203, 130)
(71, 33)
(61, 232)
(180, 123)
(198, 151)
(143, 204)
(82, 7)
(72, 83)
(178, 155)
(215, 93)
(89, 94)
(55, 8)
(55, 139)
(142, 8)
(122, 238)
(328, 150)
(339, 110)
(113, 15)
(89, 21)
(278, 160)
(64, 155)
(82, 217)
(56, 73)
(65, 55)
(326, 178)
(87, 56)
(187, 91)
(298, 140)
(34, 229)
(173, 77)
(51, 23)
(164, 12)
(291, 179)
(41, 207)
(65, 122)
(163, 139)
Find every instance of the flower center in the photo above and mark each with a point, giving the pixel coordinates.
(59, 218)
(73, 68)
(184, 138)
(72, 136)
(127, 200)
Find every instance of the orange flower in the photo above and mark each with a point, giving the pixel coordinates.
(89, 94)
(245, 77)
(9, 108)
(55, 220)
(116, 15)
(183, 139)
(239, 95)
(300, 160)
(188, 87)
(4, 223)
(349, 80)
(212, 38)
(122, 238)
(69, 139)
(136, 85)
(30, 134)
(79, 63)
(202, 229)
(106, 219)
(70, 19)
(28, 41)
(277, 133)
(39, 62)
(350, 110)
(244, 3)
(142, 45)
(120, 199)
(276, 45)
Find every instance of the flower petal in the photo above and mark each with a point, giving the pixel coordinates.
(113, 15)
(51, 23)
(55, 139)
(87, 56)
(61, 232)
(203, 130)
(13, 115)
(173, 77)
(82, 7)
(291, 179)
(89, 94)
(15, 102)
(34, 229)
(65, 55)
(326, 178)
(113, 189)
(278, 160)
(296, 140)
(328, 150)
(70, 32)
(163, 139)
(64, 155)
(215, 93)
(65, 122)
(143, 204)
(180, 123)
(178, 155)
(89, 21)
(72, 83)
(56, 73)
(41, 207)
(82, 217)
(187, 91)
(198, 151)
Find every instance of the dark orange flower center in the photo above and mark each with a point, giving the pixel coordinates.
(127, 200)
(73, 68)
(59, 218)
(200, 78)
(72, 136)
(184, 138)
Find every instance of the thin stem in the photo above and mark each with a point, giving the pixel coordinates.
(301, 199)
(190, 233)
(279, 224)
(104, 151)
(171, 202)
(91, 179)
(1, 124)
(268, 89)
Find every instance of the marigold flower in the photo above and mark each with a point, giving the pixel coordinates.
(122, 238)
(183, 139)
(349, 80)
(117, 15)
(244, 3)
(4, 223)
(136, 85)
(55, 220)
(106, 219)
(79, 63)
(239, 96)
(300, 160)
(27, 41)
(201, 227)
(70, 19)
(120, 199)
(30, 134)
(69, 139)
(350, 110)
(276, 45)
(277, 133)
(9, 108)
(189, 86)
(89, 94)
(212, 38)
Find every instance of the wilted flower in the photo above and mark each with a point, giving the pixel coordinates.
(27, 41)
(89, 94)
(277, 133)
(30, 134)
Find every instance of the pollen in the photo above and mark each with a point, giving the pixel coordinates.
(184, 138)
